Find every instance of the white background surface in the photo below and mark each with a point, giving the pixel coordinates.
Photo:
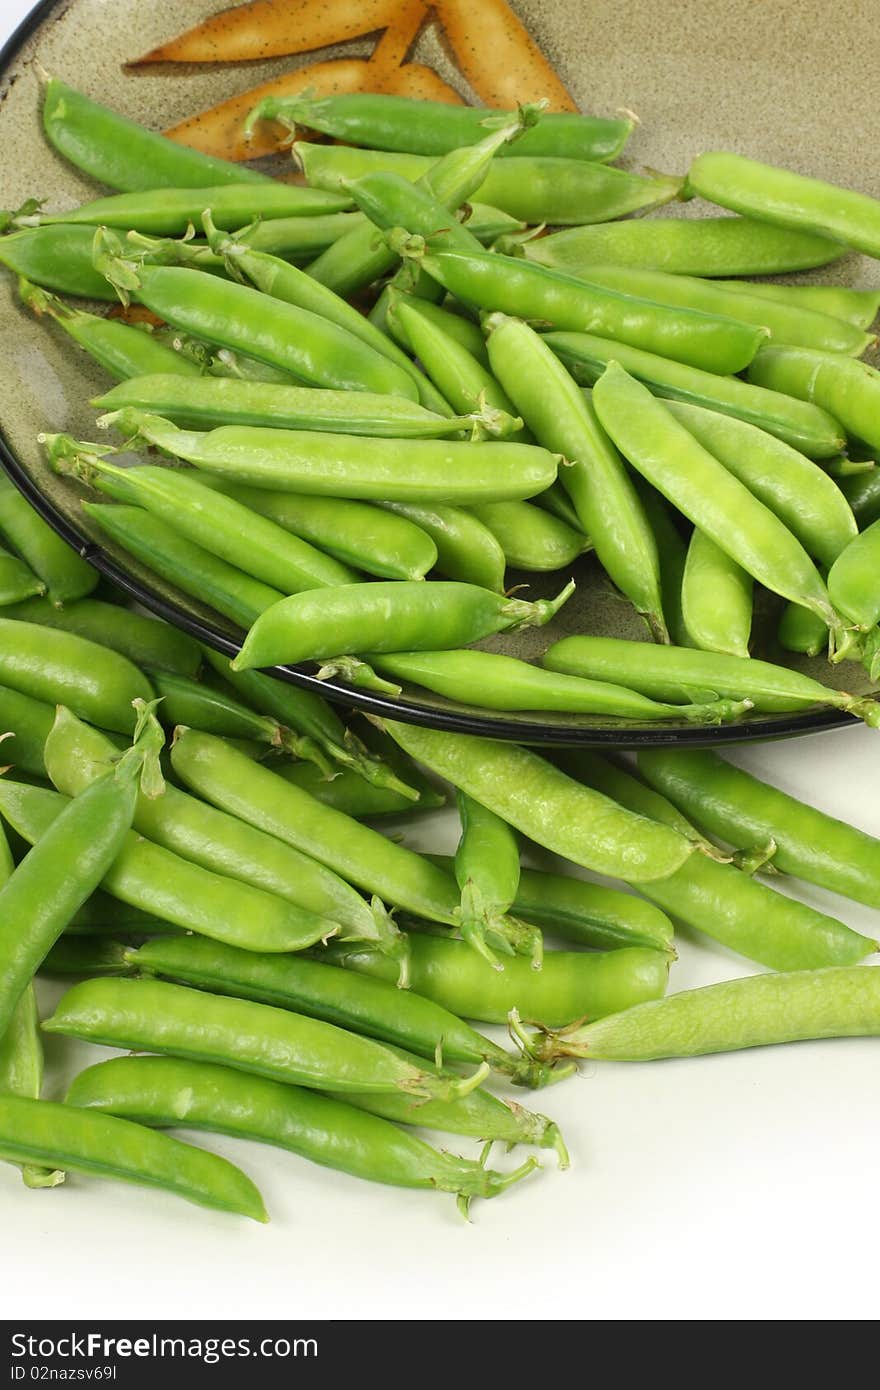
(734, 1187)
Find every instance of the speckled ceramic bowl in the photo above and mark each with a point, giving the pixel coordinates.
(786, 82)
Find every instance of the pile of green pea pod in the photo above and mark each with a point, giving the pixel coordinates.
(304, 979)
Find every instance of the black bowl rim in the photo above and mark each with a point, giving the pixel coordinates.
(399, 708)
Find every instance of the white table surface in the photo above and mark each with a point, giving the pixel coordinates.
(737, 1187)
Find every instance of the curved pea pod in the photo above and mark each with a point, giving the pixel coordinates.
(353, 796)
(432, 127)
(531, 291)
(850, 389)
(121, 349)
(147, 876)
(336, 465)
(65, 575)
(219, 524)
(144, 640)
(600, 488)
(372, 1007)
(570, 984)
(466, 549)
(42, 894)
(163, 211)
(699, 486)
(532, 539)
(196, 571)
(228, 401)
(226, 778)
(862, 491)
(542, 803)
(672, 554)
(716, 599)
(464, 331)
(42, 1132)
(686, 246)
(166, 1091)
(316, 351)
(491, 680)
(61, 668)
(17, 582)
(731, 804)
(487, 872)
(354, 533)
(149, 1015)
(460, 376)
(734, 908)
(799, 423)
(124, 155)
(856, 307)
(787, 199)
(565, 191)
(382, 617)
(191, 704)
(787, 323)
(297, 239)
(667, 672)
(29, 722)
(58, 258)
(854, 579)
(795, 488)
(838, 1002)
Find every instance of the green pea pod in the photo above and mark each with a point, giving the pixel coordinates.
(734, 908)
(542, 803)
(149, 877)
(168, 1091)
(122, 154)
(733, 805)
(787, 199)
(797, 422)
(463, 330)
(208, 579)
(29, 722)
(380, 617)
(795, 488)
(700, 487)
(65, 575)
(591, 914)
(122, 350)
(227, 779)
(532, 539)
(597, 481)
(57, 258)
(686, 246)
(570, 984)
(371, 1007)
(42, 894)
(863, 494)
(850, 389)
(17, 582)
(490, 680)
(459, 375)
(857, 307)
(852, 579)
(787, 323)
(353, 796)
(147, 1015)
(802, 631)
(672, 554)
(466, 549)
(316, 351)
(531, 291)
(39, 1131)
(221, 525)
(344, 466)
(716, 599)
(61, 668)
(154, 644)
(666, 672)
(487, 872)
(163, 211)
(186, 702)
(355, 533)
(87, 956)
(227, 401)
(758, 1011)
